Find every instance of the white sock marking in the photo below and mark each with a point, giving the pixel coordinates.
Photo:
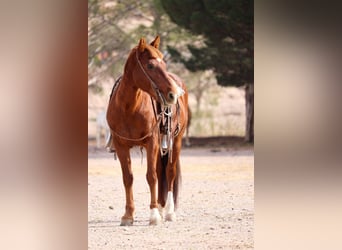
(169, 205)
(161, 210)
(155, 217)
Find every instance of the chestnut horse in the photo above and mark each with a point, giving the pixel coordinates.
(148, 108)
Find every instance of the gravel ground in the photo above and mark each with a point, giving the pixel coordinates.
(216, 206)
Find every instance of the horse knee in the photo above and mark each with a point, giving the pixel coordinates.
(128, 180)
(151, 177)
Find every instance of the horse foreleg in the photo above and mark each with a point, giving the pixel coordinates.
(169, 204)
(151, 176)
(172, 182)
(127, 176)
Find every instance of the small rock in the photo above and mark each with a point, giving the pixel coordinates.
(111, 207)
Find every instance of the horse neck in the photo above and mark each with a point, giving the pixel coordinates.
(130, 96)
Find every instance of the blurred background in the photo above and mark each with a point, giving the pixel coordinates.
(46, 55)
(208, 44)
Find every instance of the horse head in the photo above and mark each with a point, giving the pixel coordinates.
(150, 73)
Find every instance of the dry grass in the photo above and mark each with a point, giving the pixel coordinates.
(221, 113)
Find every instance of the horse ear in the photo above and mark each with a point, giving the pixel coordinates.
(156, 42)
(142, 45)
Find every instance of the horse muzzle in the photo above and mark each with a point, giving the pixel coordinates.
(172, 96)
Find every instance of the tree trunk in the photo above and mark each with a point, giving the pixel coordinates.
(249, 97)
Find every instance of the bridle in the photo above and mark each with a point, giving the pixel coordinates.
(153, 84)
(164, 117)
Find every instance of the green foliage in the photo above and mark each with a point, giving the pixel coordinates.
(114, 27)
(227, 28)
(107, 40)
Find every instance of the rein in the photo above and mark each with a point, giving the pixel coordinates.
(141, 138)
(158, 117)
(165, 134)
(164, 117)
(166, 140)
(153, 84)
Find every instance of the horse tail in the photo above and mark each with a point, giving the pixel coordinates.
(176, 184)
(163, 180)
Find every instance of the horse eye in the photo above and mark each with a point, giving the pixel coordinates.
(150, 66)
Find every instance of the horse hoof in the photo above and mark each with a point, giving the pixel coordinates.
(126, 222)
(155, 217)
(170, 217)
(161, 211)
(155, 222)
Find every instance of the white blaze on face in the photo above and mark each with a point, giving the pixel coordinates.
(159, 60)
(179, 90)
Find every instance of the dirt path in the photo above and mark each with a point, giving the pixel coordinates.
(216, 207)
